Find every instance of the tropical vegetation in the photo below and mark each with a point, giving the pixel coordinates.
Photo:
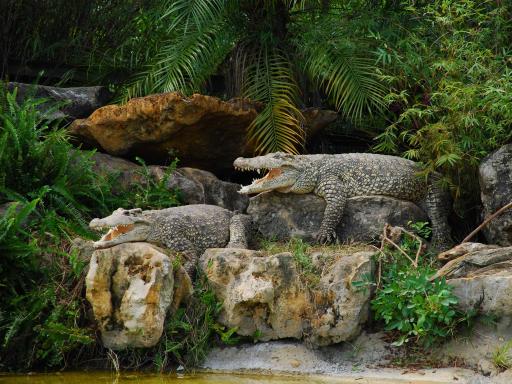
(430, 80)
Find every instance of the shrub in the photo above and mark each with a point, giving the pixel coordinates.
(419, 310)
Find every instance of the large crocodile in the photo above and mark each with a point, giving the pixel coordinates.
(339, 177)
(189, 229)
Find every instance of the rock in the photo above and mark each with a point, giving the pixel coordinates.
(130, 287)
(483, 261)
(80, 101)
(477, 347)
(203, 131)
(495, 174)
(266, 297)
(281, 216)
(217, 192)
(318, 119)
(82, 249)
(195, 186)
(463, 249)
(482, 279)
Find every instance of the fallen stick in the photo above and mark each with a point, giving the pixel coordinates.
(486, 221)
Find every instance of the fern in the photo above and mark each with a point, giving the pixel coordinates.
(278, 127)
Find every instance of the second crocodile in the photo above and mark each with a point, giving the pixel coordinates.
(339, 177)
(189, 229)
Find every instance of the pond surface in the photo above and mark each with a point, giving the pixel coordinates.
(110, 378)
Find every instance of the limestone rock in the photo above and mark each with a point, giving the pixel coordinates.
(130, 287)
(82, 249)
(79, 101)
(463, 249)
(217, 192)
(482, 279)
(496, 191)
(203, 131)
(281, 216)
(266, 297)
(195, 186)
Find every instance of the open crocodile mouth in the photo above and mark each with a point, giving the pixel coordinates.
(270, 173)
(117, 231)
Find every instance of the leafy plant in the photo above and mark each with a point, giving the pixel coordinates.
(153, 192)
(450, 76)
(420, 310)
(270, 46)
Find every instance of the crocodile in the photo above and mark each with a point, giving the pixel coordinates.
(338, 177)
(189, 229)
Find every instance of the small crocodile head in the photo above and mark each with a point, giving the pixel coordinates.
(124, 226)
(283, 172)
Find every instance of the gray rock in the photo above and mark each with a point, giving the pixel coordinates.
(281, 216)
(217, 192)
(80, 101)
(482, 279)
(195, 186)
(267, 297)
(82, 249)
(496, 191)
(131, 288)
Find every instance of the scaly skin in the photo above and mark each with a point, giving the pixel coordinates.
(339, 177)
(189, 229)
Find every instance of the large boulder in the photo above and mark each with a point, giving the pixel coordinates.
(195, 186)
(282, 216)
(202, 131)
(481, 278)
(77, 102)
(270, 297)
(131, 287)
(496, 191)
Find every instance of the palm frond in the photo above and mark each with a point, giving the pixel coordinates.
(278, 127)
(193, 13)
(184, 64)
(349, 81)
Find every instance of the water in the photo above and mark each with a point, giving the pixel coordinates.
(109, 378)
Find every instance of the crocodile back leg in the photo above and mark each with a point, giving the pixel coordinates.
(240, 228)
(438, 205)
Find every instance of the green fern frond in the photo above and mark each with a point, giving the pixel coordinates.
(349, 81)
(184, 64)
(193, 13)
(279, 126)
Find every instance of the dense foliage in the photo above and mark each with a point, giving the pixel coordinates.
(438, 72)
(450, 74)
(419, 310)
(52, 192)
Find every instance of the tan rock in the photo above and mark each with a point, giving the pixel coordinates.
(463, 249)
(266, 296)
(481, 278)
(203, 131)
(130, 287)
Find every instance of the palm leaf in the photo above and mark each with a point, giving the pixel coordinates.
(184, 65)
(199, 40)
(278, 127)
(196, 13)
(349, 81)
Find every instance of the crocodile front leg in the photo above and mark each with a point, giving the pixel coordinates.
(240, 228)
(335, 197)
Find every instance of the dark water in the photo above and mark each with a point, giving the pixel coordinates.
(110, 378)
